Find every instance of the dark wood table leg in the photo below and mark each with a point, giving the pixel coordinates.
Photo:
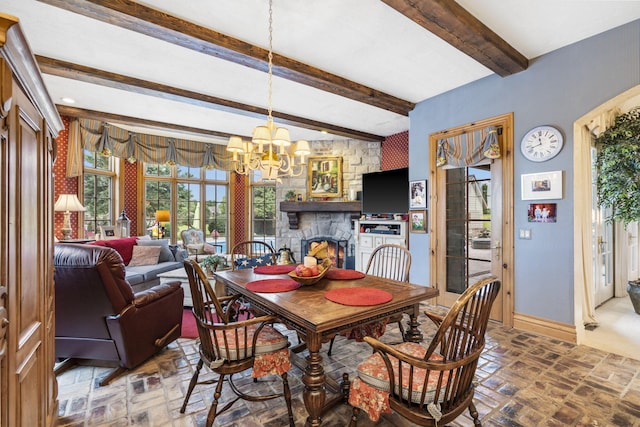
(413, 334)
(314, 394)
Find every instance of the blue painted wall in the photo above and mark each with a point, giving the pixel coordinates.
(556, 89)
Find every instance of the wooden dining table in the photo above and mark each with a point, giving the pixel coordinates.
(317, 319)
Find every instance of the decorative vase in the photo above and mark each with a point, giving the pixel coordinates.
(633, 289)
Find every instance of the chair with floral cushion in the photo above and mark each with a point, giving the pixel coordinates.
(392, 262)
(229, 346)
(429, 386)
(194, 242)
(252, 253)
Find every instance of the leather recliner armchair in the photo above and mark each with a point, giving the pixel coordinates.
(99, 317)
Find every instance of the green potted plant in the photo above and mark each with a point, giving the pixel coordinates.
(211, 263)
(290, 196)
(618, 176)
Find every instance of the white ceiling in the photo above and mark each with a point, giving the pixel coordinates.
(365, 41)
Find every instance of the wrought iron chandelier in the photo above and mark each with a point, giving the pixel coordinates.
(270, 150)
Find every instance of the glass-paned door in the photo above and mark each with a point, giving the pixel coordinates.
(470, 238)
(603, 244)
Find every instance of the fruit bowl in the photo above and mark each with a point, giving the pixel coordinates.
(323, 267)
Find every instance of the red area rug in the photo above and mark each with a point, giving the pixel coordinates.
(189, 328)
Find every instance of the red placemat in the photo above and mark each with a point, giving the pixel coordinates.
(340, 274)
(358, 296)
(273, 285)
(274, 269)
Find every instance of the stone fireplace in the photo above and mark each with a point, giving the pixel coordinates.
(338, 250)
(333, 218)
(334, 227)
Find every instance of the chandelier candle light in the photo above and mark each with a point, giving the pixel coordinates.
(68, 203)
(260, 154)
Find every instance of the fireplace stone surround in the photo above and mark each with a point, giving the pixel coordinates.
(359, 157)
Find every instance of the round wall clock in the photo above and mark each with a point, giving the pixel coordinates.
(541, 143)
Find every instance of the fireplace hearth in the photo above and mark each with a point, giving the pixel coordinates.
(341, 255)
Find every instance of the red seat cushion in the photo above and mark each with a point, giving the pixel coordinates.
(373, 372)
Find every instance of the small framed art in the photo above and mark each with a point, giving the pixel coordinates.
(325, 177)
(542, 212)
(418, 194)
(418, 221)
(543, 185)
(108, 232)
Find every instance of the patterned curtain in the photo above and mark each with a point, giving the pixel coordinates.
(112, 140)
(469, 148)
(74, 151)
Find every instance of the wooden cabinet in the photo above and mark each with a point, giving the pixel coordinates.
(28, 124)
(369, 234)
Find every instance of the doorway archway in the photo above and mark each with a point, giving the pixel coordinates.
(585, 226)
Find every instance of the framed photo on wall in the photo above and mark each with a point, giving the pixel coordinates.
(542, 212)
(418, 221)
(325, 177)
(541, 186)
(418, 194)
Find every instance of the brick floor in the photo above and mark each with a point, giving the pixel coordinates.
(523, 380)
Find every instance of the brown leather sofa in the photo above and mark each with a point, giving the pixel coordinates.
(99, 317)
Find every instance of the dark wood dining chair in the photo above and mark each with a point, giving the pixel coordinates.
(252, 253)
(392, 262)
(430, 386)
(229, 346)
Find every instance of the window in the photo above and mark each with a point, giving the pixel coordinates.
(263, 208)
(195, 197)
(98, 191)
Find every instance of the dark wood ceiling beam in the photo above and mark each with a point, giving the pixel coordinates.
(455, 25)
(118, 81)
(66, 110)
(154, 23)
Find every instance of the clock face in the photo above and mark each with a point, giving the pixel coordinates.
(541, 143)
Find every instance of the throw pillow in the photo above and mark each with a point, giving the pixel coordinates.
(145, 255)
(165, 253)
(124, 246)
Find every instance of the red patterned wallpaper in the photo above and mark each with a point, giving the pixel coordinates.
(239, 198)
(395, 151)
(131, 197)
(62, 184)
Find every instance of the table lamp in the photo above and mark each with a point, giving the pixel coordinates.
(162, 216)
(68, 203)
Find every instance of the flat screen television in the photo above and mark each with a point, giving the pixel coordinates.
(385, 192)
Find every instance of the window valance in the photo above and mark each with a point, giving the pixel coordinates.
(468, 148)
(112, 140)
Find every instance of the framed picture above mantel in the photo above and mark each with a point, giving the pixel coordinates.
(325, 177)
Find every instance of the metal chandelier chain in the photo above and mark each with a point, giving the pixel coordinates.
(270, 108)
(254, 156)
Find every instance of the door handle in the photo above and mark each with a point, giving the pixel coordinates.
(497, 247)
(601, 244)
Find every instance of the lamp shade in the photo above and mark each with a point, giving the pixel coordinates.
(163, 216)
(68, 203)
(235, 145)
(302, 148)
(281, 137)
(261, 135)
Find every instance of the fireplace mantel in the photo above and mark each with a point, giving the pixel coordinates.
(293, 209)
